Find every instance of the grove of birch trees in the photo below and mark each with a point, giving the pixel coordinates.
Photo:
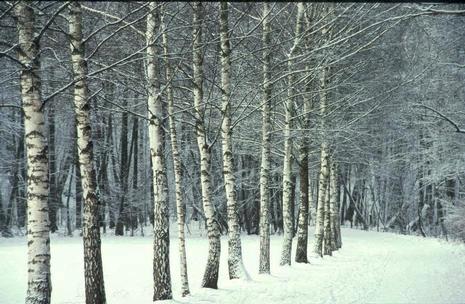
(150, 118)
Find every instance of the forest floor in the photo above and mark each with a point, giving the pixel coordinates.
(371, 267)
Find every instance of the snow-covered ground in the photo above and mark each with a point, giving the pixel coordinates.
(371, 268)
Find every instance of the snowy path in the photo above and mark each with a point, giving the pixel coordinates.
(371, 268)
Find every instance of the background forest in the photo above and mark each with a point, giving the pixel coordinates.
(371, 94)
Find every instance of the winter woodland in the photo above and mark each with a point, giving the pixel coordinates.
(163, 150)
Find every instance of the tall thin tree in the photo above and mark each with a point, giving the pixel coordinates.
(288, 211)
(264, 262)
(180, 204)
(93, 269)
(324, 154)
(210, 277)
(161, 242)
(235, 264)
(39, 286)
(302, 229)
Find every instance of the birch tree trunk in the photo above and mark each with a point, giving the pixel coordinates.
(93, 270)
(287, 167)
(264, 264)
(324, 157)
(161, 264)
(210, 278)
(302, 229)
(39, 286)
(323, 175)
(180, 204)
(235, 264)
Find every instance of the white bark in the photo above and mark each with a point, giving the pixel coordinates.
(210, 278)
(39, 286)
(287, 166)
(180, 205)
(264, 264)
(235, 264)
(161, 262)
(93, 271)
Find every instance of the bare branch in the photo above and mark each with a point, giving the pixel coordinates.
(453, 123)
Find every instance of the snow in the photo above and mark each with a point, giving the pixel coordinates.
(371, 267)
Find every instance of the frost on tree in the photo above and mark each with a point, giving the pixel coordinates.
(235, 264)
(39, 286)
(161, 242)
(210, 277)
(264, 263)
(93, 270)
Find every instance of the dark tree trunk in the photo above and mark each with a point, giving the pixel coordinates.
(78, 191)
(111, 206)
(53, 201)
(69, 229)
(135, 144)
(302, 239)
(292, 202)
(122, 222)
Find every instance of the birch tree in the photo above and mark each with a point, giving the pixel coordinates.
(235, 264)
(210, 278)
(39, 286)
(161, 264)
(287, 167)
(327, 248)
(302, 229)
(264, 263)
(324, 156)
(93, 270)
(322, 188)
(180, 204)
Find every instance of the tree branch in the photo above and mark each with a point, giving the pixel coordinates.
(453, 123)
